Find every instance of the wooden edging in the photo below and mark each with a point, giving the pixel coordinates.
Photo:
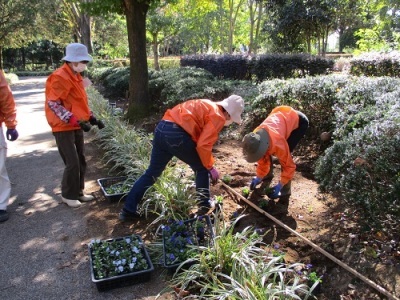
(316, 247)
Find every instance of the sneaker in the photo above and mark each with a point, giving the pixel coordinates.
(126, 216)
(3, 215)
(71, 203)
(85, 198)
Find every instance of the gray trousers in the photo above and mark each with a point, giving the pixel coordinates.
(71, 147)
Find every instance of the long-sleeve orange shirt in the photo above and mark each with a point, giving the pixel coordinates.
(279, 124)
(65, 95)
(202, 119)
(8, 110)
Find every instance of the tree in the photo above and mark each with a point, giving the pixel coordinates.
(255, 14)
(135, 12)
(157, 22)
(17, 20)
(79, 21)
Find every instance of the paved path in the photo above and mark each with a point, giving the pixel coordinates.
(43, 252)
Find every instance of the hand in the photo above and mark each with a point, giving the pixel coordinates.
(12, 134)
(254, 182)
(85, 126)
(276, 191)
(93, 120)
(73, 121)
(214, 175)
(100, 124)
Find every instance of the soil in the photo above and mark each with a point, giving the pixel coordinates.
(322, 218)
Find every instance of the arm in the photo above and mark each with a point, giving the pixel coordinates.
(205, 143)
(59, 110)
(263, 166)
(8, 111)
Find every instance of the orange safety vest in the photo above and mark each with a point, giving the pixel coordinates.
(202, 119)
(64, 86)
(279, 124)
(8, 110)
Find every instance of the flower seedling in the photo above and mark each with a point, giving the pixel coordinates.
(245, 192)
(182, 238)
(227, 179)
(118, 256)
(313, 277)
(118, 188)
(219, 199)
(262, 203)
(268, 190)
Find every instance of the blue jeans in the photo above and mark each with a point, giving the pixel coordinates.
(170, 140)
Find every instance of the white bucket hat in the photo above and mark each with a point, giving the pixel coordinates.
(76, 52)
(234, 105)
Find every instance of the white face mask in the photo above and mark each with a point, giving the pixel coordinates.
(228, 122)
(79, 68)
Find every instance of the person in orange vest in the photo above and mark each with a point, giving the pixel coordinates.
(8, 114)
(276, 136)
(68, 114)
(188, 131)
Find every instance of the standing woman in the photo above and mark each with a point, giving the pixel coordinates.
(67, 112)
(188, 131)
(8, 113)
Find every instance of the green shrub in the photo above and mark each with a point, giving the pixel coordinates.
(376, 64)
(34, 73)
(172, 86)
(314, 96)
(363, 165)
(357, 100)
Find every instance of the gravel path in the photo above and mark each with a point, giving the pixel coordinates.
(43, 244)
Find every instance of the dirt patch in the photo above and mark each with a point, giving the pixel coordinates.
(321, 218)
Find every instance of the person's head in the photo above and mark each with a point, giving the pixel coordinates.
(234, 106)
(255, 145)
(77, 56)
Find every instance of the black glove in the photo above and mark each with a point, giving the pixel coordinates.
(85, 126)
(93, 120)
(100, 124)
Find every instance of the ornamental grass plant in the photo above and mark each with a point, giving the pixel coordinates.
(239, 266)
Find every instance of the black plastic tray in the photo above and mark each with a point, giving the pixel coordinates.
(123, 279)
(107, 182)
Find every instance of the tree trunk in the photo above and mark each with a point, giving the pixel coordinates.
(1, 57)
(86, 36)
(139, 106)
(155, 52)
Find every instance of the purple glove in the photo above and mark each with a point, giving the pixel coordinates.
(214, 175)
(254, 182)
(12, 134)
(276, 191)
